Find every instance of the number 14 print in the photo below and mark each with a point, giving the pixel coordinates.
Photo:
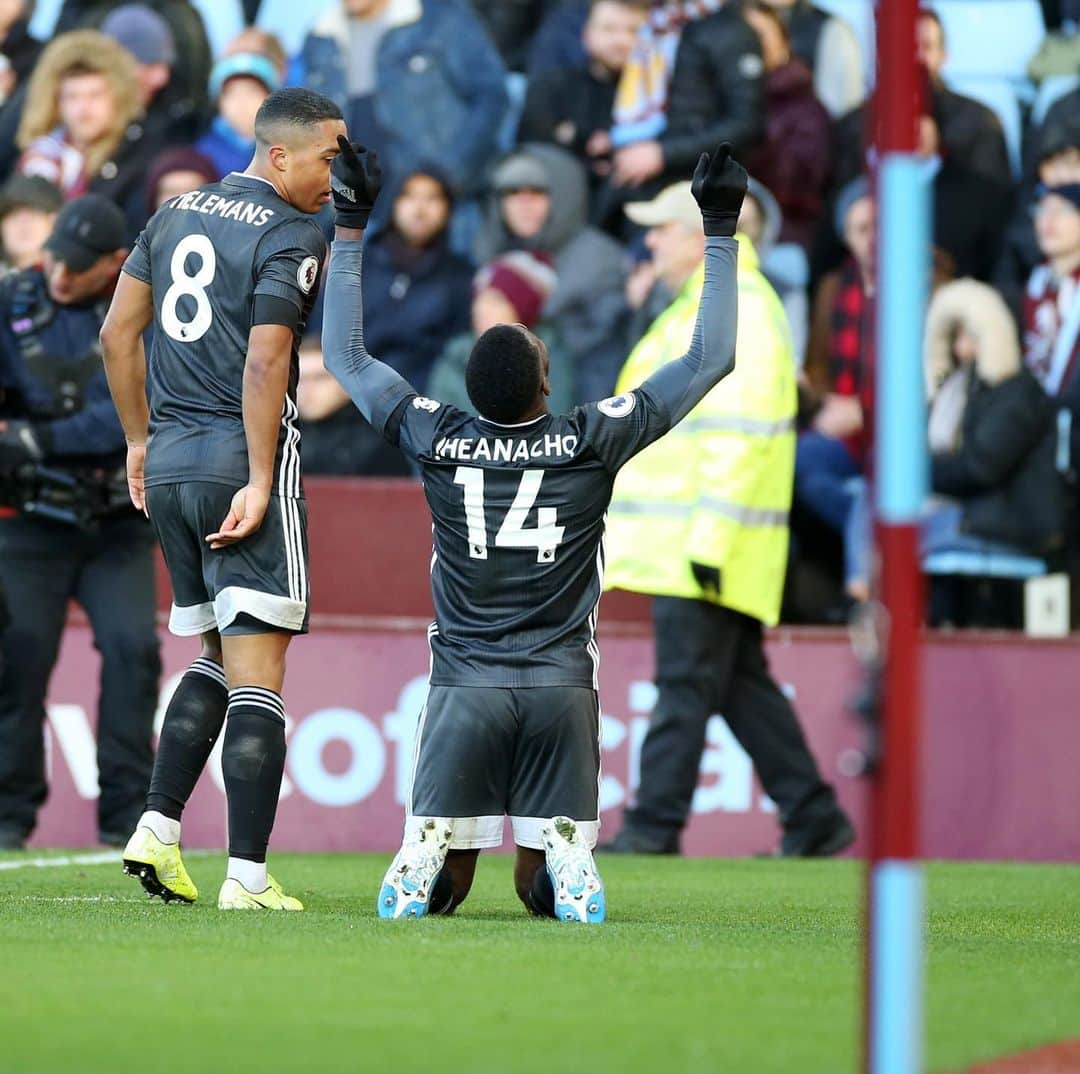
(545, 537)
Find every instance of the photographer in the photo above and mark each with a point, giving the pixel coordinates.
(67, 529)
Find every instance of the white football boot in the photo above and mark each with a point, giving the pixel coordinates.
(579, 891)
(406, 888)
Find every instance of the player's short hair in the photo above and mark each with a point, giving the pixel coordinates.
(294, 107)
(503, 376)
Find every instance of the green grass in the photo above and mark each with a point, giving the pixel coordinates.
(748, 967)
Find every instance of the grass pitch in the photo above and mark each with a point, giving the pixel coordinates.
(748, 967)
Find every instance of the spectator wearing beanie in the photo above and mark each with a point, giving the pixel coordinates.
(28, 208)
(238, 85)
(512, 289)
(176, 172)
(169, 116)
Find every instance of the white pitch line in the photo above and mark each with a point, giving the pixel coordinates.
(97, 857)
(100, 857)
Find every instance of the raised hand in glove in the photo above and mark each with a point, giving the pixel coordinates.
(355, 179)
(719, 186)
(20, 443)
(707, 577)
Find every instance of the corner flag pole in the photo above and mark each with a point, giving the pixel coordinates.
(894, 986)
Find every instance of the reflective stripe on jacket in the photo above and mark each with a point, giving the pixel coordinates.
(717, 488)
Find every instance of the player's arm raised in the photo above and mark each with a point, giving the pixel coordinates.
(266, 380)
(130, 312)
(719, 186)
(375, 388)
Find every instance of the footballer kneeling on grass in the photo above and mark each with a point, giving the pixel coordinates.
(518, 497)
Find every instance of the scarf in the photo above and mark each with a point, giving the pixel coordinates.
(640, 110)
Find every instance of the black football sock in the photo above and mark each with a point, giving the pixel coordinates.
(542, 895)
(252, 762)
(192, 724)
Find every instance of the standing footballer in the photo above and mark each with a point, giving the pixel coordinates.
(228, 276)
(518, 498)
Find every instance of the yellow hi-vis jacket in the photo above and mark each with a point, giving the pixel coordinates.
(717, 488)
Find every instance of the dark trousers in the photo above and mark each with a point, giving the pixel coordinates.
(111, 575)
(710, 659)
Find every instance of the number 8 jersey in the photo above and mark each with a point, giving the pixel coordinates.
(518, 563)
(220, 259)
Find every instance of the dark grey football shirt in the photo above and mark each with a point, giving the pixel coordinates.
(518, 562)
(518, 511)
(207, 255)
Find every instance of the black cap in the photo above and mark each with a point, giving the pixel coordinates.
(86, 229)
(30, 192)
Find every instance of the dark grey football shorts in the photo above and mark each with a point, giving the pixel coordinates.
(484, 753)
(255, 585)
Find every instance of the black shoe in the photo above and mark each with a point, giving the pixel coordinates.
(822, 840)
(630, 842)
(12, 838)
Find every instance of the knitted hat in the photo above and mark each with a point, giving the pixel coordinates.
(526, 279)
(245, 65)
(183, 159)
(143, 32)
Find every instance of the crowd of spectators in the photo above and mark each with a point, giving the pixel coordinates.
(513, 134)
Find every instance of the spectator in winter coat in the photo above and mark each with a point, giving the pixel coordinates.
(1058, 164)
(793, 161)
(540, 202)
(189, 77)
(239, 84)
(1052, 305)
(418, 80)
(572, 106)
(829, 47)
(695, 79)
(991, 437)
(969, 132)
(418, 290)
(81, 128)
(838, 365)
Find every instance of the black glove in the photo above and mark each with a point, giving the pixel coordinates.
(707, 577)
(719, 186)
(355, 179)
(20, 443)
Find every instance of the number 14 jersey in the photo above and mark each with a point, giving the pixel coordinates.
(207, 255)
(518, 561)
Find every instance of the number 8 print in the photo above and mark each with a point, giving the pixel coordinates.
(191, 286)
